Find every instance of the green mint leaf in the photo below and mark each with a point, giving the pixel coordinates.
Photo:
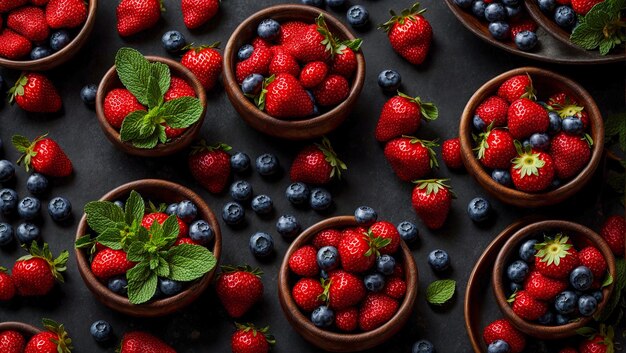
(134, 208)
(147, 143)
(142, 283)
(182, 112)
(104, 215)
(606, 45)
(599, 16)
(136, 252)
(608, 280)
(429, 111)
(614, 300)
(154, 264)
(170, 230)
(162, 74)
(143, 235)
(162, 134)
(163, 270)
(156, 233)
(439, 292)
(586, 37)
(134, 71)
(111, 238)
(84, 242)
(132, 124)
(153, 93)
(188, 262)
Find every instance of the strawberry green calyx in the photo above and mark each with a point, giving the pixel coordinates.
(553, 249)
(409, 13)
(248, 327)
(433, 186)
(23, 145)
(57, 266)
(512, 297)
(606, 332)
(332, 44)
(325, 296)
(259, 99)
(568, 108)
(3, 269)
(354, 44)
(527, 161)
(331, 157)
(429, 145)
(530, 90)
(481, 142)
(18, 88)
(202, 146)
(429, 111)
(199, 48)
(64, 342)
(375, 243)
(245, 268)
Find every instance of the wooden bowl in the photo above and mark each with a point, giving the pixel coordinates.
(62, 55)
(505, 257)
(111, 81)
(546, 83)
(288, 129)
(162, 191)
(334, 341)
(548, 23)
(25, 329)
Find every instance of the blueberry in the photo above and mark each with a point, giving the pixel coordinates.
(408, 231)
(560, 320)
(500, 30)
(59, 40)
(88, 93)
(526, 40)
(478, 209)
(186, 211)
(498, 346)
(365, 215)
(119, 204)
(101, 331)
(241, 191)
(587, 305)
(316, 3)
(495, 12)
(385, 264)
(513, 11)
(233, 213)
(547, 318)
(527, 251)
(7, 171)
(239, 162)
(572, 125)
(252, 85)
(170, 209)
(478, 9)
(59, 209)
(118, 284)
(515, 287)
(581, 278)
(245, 51)
(322, 316)
(389, 80)
(335, 3)
(8, 201)
(478, 123)
(261, 244)
(288, 226)
(320, 199)
(169, 287)
(464, 4)
(40, 52)
(439, 260)
(327, 258)
(566, 302)
(358, 16)
(517, 271)
(6, 234)
(547, 6)
(267, 164)
(28, 208)
(262, 204)
(269, 29)
(502, 177)
(27, 232)
(540, 141)
(201, 232)
(555, 123)
(423, 346)
(297, 193)
(173, 41)
(565, 17)
(374, 282)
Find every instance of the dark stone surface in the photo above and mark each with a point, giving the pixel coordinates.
(458, 64)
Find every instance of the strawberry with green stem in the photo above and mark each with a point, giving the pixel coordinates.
(35, 93)
(343, 290)
(411, 158)
(134, 16)
(532, 171)
(516, 87)
(600, 341)
(283, 97)
(36, 273)
(239, 288)
(570, 154)
(344, 62)
(527, 307)
(205, 62)
(495, 148)
(250, 339)
(556, 257)
(410, 34)
(210, 165)
(317, 164)
(402, 115)
(431, 200)
(53, 340)
(11, 342)
(358, 251)
(43, 155)
(314, 43)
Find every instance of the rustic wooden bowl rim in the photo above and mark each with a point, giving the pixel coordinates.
(21, 327)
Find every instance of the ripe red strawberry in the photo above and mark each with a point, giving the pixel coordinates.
(593, 259)
(118, 103)
(210, 166)
(493, 110)
(134, 16)
(308, 293)
(532, 171)
(401, 115)
(395, 287)
(257, 63)
(7, 288)
(259, 42)
(327, 237)
(316, 164)
(431, 200)
(291, 29)
(313, 74)
(347, 320)
(344, 61)
(313, 43)
(503, 330)
(556, 257)
(581, 7)
(386, 230)
(570, 154)
(185, 241)
(36, 273)
(614, 233)
(29, 21)
(35, 93)
(523, 24)
(249, 339)
(526, 117)
(13, 46)
(239, 288)
(410, 34)
(344, 290)
(566, 106)
(332, 91)
(303, 262)
(205, 62)
(143, 342)
(11, 342)
(451, 153)
(594, 345)
(198, 12)
(358, 251)
(178, 88)
(108, 263)
(161, 217)
(44, 155)
(516, 87)
(286, 98)
(54, 340)
(411, 158)
(283, 62)
(544, 288)
(66, 13)
(527, 307)
(8, 5)
(376, 310)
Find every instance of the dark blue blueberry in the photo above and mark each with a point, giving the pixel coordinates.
(478, 123)
(515, 287)
(233, 213)
(511, 3)
(517, 271)
(171, 209)
(560, 320)
(118, 284)
(6, 234)
(581, 278)
(40, 52)
(385, 264)
(408, 231)
(262, 204)
(27, 232)
(245, 51)
(495, 12)
(252, 85)
(239, 162)
(540, 141)
(267, 164)
(498, 346)
(555, 123)
(322, 316)
(119, 204)
(502, 177)
(598, 295)
(101, 331)
(327, 258)
(389, 80)
(241, 191)
(335, 3)
(173, 41)
(320, 199)
(526, 144)
(464, 4)
(527, 251)
(7, 171)
(88, 94)
(288, 226)
(316, 3)
(547, 318)
(269, 30)
(587, 305)
(59, 40)
(478, 9)
(566, 302)
(358, 16)
(526, 40)
(547, 6)
(565, 17)
(478, 209)
(8, 201)
(28, 208)
(500, 30)
(374, 282)
(572, 125)
(201, 232)
(169, 287)
(513, 11)
(365, 215)
(59, 209)
(439, 260)
(186, 211)
(261, 244)
(297, 193)
(423, 346)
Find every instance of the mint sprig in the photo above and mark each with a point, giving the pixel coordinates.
(441, 291)
(602, 27)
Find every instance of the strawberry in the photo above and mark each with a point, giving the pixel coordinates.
(327, 237)
(8, 5)
(283, 62)
(581, 7)
(303, 262)
(358, 251)
(108, 263)
(36, 273)
(570, 154)
(13, 46)
(527, 307)
(493, 110)
(333, 90)
(180, 241)
(118, 103)
(526, 117)
(161, 217)
(395, 287)
(556, 257)
(66, 13)
(29, 21)
(593, 259)
(7, 287)
(343, 290)
(347, 320)
(503, 330)
(614, 231)
(308, 293)
(313, 74)
(516, 87)
(286, 98)
(376, 310)
(134, 16)
(249, 339)
(411, 158)
(410, 34)
(239, 288)
(259, 42)
(521, 25)
(451, 153)
(44, 155)
(54, 340)
(401, 115)
(143, 342)
(600, 342)
(431, 200)
(257, 63)
(198, 12)
(316, 164)
(11, 342)
(178, 88)
(386, 230)
(544, 288)
(39, 3)
(344, 61)
(313, 43)
(532, 171)
(566, 106)
(35, 93)
(205, 62)
(210, 166)
(291, 29)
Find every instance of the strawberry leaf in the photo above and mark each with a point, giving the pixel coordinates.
(440, 292)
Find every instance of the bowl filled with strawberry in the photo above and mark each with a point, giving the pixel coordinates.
(150, 106)
(531, 137)
(148, 248)
(39, 35)
(552, 277)
(17, 337)
(293, 71)
(347, 286)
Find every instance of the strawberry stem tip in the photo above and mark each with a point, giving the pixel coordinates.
(247, 327)
(331, 158)
(429, 111)
(409, 13)
(198, 48)
(57, 265)
(434, 185)
(64, 342)
(553, 249)
(18, 88)
(375, 243)
(202, 146)
(530, 90)
(23, 145)
(259, 99)
(429, 145)
(332, 43)
(528, 162)
(246, 268)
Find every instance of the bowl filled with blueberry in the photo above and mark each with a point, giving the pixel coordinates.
(551, 277)
(148, 248)
(531, 137)
(293, 71)
(40, 37)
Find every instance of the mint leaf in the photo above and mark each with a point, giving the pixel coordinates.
(606, 45)
(136, 252)
(134, 71)
(84, 242)
(148, 142)
(104, 215)
(111, 238)
(163, 270)
(429, 111)
(613, 301)
(170, 230)
(132, 124)
(142, 283)
(439, 292)
(182, 112)
(153, 93)
(162, 134)
(188, 262)
(586, 37)
(162, 74)
(608, 280)
(134, 208)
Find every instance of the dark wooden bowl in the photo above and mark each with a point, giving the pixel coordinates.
(25, 329)
(62, 55)
(288, 129)
(546, 83)
(505, 256)
(161, 191)
(334, 341)
(111, 81)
